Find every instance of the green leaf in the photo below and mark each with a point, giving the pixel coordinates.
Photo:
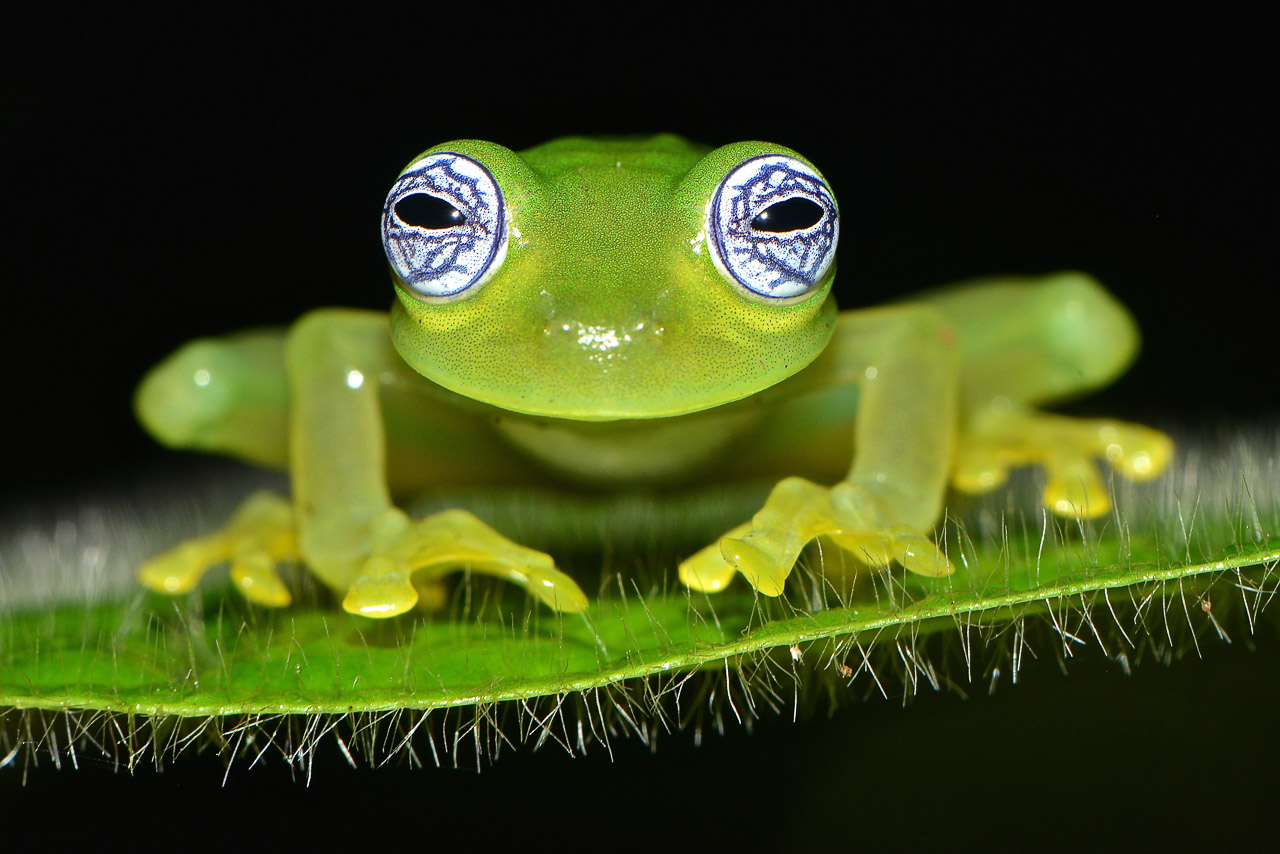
(1165, 570)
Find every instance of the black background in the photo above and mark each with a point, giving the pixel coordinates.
(168, 179)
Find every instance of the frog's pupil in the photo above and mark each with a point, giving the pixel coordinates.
(792, 215)
(424, 211)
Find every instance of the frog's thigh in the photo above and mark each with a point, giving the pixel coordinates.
(904, 360)
(1033, 341)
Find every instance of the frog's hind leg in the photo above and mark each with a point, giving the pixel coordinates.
(259, 537)
(226, 395)
(1026, 342)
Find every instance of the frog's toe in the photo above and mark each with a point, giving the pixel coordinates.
(1134, 451)
(707, 570)
(383, 589)
(253, 571)
(766, 558)
(258, 538)
(469, 543)
(766, 568)
(180, 569)
(766, 549)
(1066, 449)
(978, 468)
(549, 585)
(709, 574)
(1075, 488)
(919, 554)
(796, 511)
(420, 553)
(909, 549)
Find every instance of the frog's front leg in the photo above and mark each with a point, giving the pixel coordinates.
(905, 362)
(1026, 342)
(350, 535)
(342, 524)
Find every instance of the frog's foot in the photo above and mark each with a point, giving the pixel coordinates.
(765, 549)
(259, 537)
(406, 555)
(1066, 448)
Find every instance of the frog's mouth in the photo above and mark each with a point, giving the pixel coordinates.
(600, 371)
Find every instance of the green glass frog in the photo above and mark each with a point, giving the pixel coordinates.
(622, 313)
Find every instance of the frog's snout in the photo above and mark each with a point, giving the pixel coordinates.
(623, 328)
(600, 341)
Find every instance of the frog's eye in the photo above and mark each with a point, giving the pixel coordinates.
(444, 226)
(773, 227)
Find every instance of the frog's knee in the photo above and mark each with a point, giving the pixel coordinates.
(225, 395)
(1088, 329)
(927, 321)
(185, 399)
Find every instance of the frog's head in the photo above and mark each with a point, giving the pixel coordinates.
(607, 279)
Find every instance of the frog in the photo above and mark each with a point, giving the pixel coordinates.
(634, 313)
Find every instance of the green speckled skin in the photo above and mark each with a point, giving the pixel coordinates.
(587, 318)
(608, 350)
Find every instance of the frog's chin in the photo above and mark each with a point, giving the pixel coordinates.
(612, 371)
(613, 400)
(588, 392)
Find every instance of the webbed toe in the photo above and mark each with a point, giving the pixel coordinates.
(257, 539)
